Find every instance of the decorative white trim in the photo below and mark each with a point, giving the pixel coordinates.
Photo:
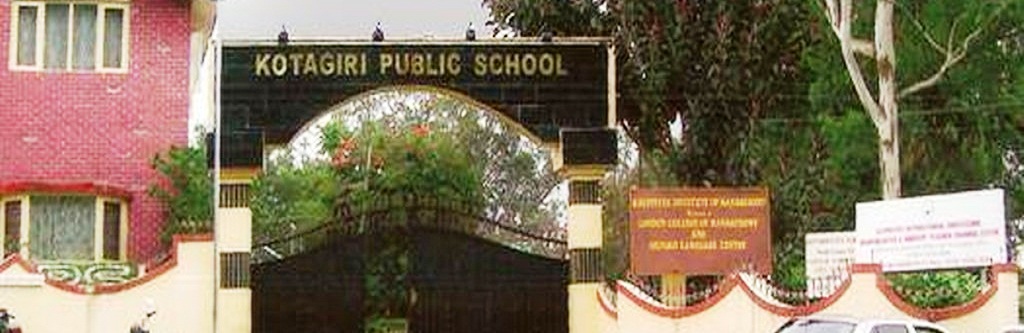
(22, 280)
(87, 274)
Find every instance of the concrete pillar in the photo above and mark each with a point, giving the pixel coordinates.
(233, 241)
(585, 238)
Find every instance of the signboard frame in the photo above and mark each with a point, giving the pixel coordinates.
(944, 231)
(700, 230)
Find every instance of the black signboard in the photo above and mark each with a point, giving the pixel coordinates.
(546, 87)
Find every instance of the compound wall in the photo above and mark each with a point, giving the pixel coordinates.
(739, 306)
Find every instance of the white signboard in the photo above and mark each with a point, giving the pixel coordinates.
(828, 256)
(957, 230)
(829, 252)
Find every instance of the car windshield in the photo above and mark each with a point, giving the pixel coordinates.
(816, 326)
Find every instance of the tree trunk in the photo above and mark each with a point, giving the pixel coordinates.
(888, 128)
(889, 159)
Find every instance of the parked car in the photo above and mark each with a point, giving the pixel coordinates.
(822, 324)
(1013, 329)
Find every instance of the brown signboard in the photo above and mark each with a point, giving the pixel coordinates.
(274, 90)
(699, 230)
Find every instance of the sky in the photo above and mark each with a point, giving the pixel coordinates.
(262, 19)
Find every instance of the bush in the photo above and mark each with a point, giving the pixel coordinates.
(939, 289)
(287, 198)
(186, 193)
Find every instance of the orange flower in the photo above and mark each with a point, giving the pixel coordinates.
(340, 158)
(421, 130)
(349, 144)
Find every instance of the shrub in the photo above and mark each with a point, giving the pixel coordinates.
(186, 192)
(938, 289)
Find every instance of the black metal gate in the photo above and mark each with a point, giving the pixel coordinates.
(456, 281)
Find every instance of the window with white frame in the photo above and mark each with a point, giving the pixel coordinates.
(69, 36)
(64, 227)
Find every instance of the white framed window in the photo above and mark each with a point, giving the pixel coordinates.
(69, 36)
(65, 227)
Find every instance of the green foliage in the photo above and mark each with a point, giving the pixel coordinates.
(186, 191)
(377, 161)
(374, 162)
(615, 244)
(717, 65)
(939, 289)
(387, 325)
(765, 99)
(11, 245)
(386, 277)
(954, 135)
(287, 198)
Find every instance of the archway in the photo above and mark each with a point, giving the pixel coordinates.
(560, 93)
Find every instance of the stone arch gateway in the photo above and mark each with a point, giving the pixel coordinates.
(561, 93)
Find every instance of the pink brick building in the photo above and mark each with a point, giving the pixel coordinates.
(90, 91)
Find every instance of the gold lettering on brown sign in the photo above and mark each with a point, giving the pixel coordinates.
(516, 64)
(311, 64)
(696, 230)
(420, 64)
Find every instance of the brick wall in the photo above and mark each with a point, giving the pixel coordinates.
(102, 128)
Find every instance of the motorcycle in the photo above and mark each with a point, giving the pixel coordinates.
(7, 323)
(142, 326)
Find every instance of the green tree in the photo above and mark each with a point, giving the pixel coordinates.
(719, 69)
(716, 66)
(514, 180)
(929, 59)
(958, 133)
(961, 130)
(783, 111)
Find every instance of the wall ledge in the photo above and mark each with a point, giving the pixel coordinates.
(152, 274)
(97, 189)
(945, 313)
(796, 310)
(641, 299)
(609, 309)
(729, 283)
(645, 302)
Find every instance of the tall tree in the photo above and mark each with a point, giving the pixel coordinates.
(813, 144)
(883, 110)
(716, 66)
(720, 70)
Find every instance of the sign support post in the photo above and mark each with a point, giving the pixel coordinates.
(673, 289)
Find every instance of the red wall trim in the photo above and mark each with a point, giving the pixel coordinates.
(115, 288)
(948, 312)
(609, 309)
(727, 286)
(679, 312)
(882, 284)
(16, 259)
(64, 188)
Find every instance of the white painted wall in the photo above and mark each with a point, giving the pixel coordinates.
(182, 296)
(741, 309)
